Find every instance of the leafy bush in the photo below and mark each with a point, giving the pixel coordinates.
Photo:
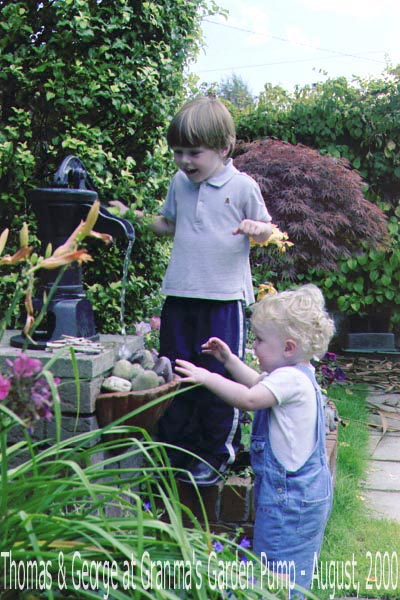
(365, 286)
(98, 80)
(358, 120)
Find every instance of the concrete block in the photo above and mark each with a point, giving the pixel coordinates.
(383, 505)
(89, 390)
(383, 475)
(89, 365)
(371, 341)
(71, 426)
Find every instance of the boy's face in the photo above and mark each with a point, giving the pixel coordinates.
(199, 163)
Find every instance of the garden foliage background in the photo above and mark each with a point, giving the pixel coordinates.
(101, 79)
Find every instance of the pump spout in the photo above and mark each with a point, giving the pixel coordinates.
(113, 225)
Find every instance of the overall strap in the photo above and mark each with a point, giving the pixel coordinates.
(310, 374)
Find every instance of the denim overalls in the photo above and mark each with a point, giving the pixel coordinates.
(292, 508)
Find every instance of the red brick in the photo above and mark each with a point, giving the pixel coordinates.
(235, 500)
(210, 496)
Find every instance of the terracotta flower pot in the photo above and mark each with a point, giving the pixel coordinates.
(113, 405)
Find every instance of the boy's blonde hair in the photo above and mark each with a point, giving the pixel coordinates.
(298, 314)
(204, 121)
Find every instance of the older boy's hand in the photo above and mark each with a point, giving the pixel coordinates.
(253, 228)
(120, 206)
(190, 373)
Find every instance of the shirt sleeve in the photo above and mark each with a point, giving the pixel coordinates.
(168, 209)
(255, 206)
(286, 384)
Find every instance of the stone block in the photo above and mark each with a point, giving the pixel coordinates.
(88, 365)
(379, 342)
(89, 390)
(71, 426)
(133, 343)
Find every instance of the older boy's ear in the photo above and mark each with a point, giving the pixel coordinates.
(290, 346)
(226, 151)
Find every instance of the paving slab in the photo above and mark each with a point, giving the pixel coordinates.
(381, 488)
(384, 447)
(383, 504)
(383, 475)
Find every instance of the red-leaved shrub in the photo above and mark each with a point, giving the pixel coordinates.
(316, 199)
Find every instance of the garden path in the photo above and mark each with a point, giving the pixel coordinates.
(381, 488)
(380, 375)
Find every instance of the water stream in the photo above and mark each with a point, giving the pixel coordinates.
(124, 350)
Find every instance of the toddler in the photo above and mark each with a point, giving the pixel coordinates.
(293, 490)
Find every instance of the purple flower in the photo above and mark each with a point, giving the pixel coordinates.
(5, 385)
(327, 372)
(147, 506)
(155, 323)
(218, 546)
(340, 374)
(26, 391)
(330, 356)
(245, 542)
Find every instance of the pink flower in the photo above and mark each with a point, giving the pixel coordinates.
(142, 328)
(4, 387)
(23, 366)
(155, 323)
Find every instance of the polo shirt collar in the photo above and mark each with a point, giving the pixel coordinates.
(223, 176)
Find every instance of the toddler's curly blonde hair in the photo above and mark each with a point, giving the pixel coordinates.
(298, 314)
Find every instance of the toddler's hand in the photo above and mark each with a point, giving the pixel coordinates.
(191, 373)
(219, 349)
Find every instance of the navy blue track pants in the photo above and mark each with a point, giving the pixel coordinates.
(197, 419)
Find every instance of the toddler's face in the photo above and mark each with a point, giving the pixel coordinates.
(269, 347)
(199, 163)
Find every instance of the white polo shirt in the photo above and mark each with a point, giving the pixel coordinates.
(207, 260)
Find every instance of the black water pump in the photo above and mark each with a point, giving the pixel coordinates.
(59, 211)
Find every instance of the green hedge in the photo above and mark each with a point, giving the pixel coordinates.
(360, 121)
(98, 79)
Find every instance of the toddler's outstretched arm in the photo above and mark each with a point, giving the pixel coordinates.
(232, 363)
(231, 392)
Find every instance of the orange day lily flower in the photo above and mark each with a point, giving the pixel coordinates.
(56, 261)
(277, 238)
(83, 230)
(3, 239)
(21, 254)
(264, 289)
